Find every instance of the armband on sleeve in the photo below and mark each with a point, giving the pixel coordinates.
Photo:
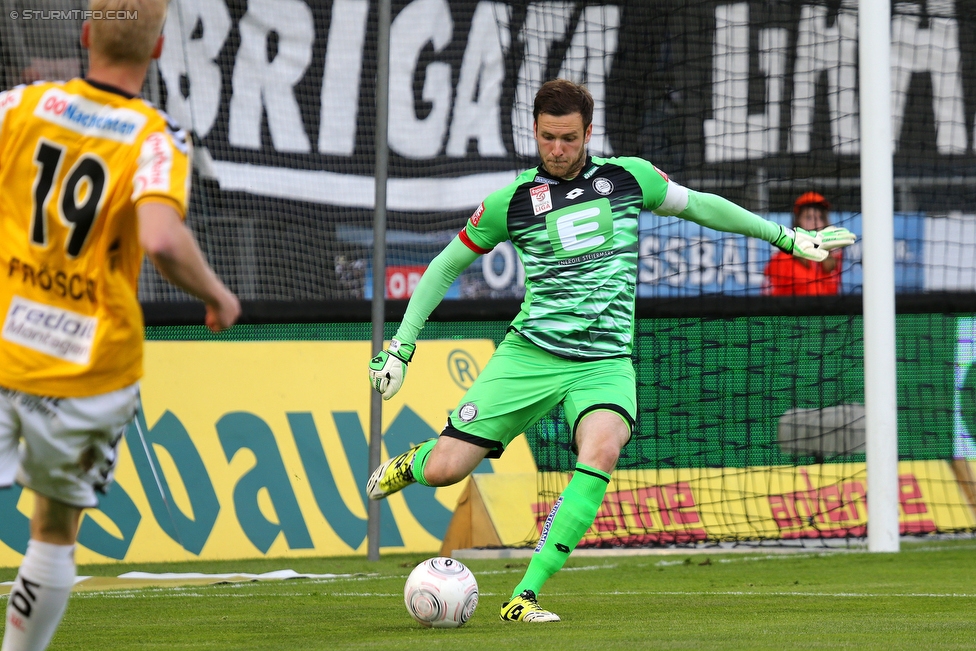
(675, 201)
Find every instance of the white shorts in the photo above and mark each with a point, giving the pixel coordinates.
(63, 448)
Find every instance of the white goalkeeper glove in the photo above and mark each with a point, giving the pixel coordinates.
(813, 245)
(389, 368)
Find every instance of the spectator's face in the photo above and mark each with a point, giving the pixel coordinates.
(562, 143)
(812, 218)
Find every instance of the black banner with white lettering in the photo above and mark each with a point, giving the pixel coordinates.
(756, 101)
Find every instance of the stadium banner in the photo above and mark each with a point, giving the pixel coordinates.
(259, 450)
(752, 101)
(686, 506)
(293, 121)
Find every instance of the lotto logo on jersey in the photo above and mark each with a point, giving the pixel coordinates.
(53, 331)
(581, 232)
(89, 118)
(541, 199)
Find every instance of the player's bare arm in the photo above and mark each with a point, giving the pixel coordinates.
(175, 253)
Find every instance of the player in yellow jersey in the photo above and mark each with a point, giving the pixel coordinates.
(90, 177)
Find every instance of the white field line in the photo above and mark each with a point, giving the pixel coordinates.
(180, 594)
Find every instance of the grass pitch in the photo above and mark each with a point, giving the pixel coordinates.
(921, 598)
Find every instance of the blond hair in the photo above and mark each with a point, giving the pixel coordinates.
(125, 31)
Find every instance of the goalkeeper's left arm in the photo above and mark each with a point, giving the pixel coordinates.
(721, 214)
(389, 368)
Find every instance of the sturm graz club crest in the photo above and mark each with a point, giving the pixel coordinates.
(602, 185)
(468, 412)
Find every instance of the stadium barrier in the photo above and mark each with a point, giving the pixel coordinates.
(258, 443)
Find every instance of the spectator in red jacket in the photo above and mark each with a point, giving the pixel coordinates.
(790, 276)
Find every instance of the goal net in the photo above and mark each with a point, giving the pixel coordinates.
(751, 416)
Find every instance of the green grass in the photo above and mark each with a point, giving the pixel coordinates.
(921, 598)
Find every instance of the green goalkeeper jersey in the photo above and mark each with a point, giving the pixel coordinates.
(577, 240)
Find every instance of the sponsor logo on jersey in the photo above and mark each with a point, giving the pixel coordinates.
(658, 170)
(541, 179)
(155, 165)
(468, 412)
(602, 185)
(575, 192)
(8, 100)
(89, 118)
(50, 330)
(548, 525)
(590, 172)
(541, 199)
(581, 232)
(476, 217)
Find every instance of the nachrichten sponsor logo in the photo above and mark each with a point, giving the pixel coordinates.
(89, 118)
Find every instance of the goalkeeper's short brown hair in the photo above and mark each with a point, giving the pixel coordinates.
(559, 97)
(127, 40)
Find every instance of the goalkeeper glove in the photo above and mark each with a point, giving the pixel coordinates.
(389, 368)
(813, 245)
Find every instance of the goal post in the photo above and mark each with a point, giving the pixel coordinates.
(877, 207)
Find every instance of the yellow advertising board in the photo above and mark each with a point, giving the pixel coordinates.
(259, 449)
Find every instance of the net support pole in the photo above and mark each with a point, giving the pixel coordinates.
(379, 257)
(877, 209)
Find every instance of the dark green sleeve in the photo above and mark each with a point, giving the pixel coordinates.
(488, 225)
(653, 182)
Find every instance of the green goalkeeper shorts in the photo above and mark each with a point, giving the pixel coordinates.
(522, 383)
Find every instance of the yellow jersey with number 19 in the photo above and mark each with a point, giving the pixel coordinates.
(76, 158)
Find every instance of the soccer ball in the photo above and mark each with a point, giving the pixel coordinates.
(441, 592)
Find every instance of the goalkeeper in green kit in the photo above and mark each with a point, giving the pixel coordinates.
(574, 222)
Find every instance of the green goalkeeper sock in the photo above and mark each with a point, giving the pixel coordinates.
(420, 460)
(569, 519)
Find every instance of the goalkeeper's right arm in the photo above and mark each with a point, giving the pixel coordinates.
(389, 368)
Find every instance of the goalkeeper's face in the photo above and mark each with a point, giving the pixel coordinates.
(562, 143)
